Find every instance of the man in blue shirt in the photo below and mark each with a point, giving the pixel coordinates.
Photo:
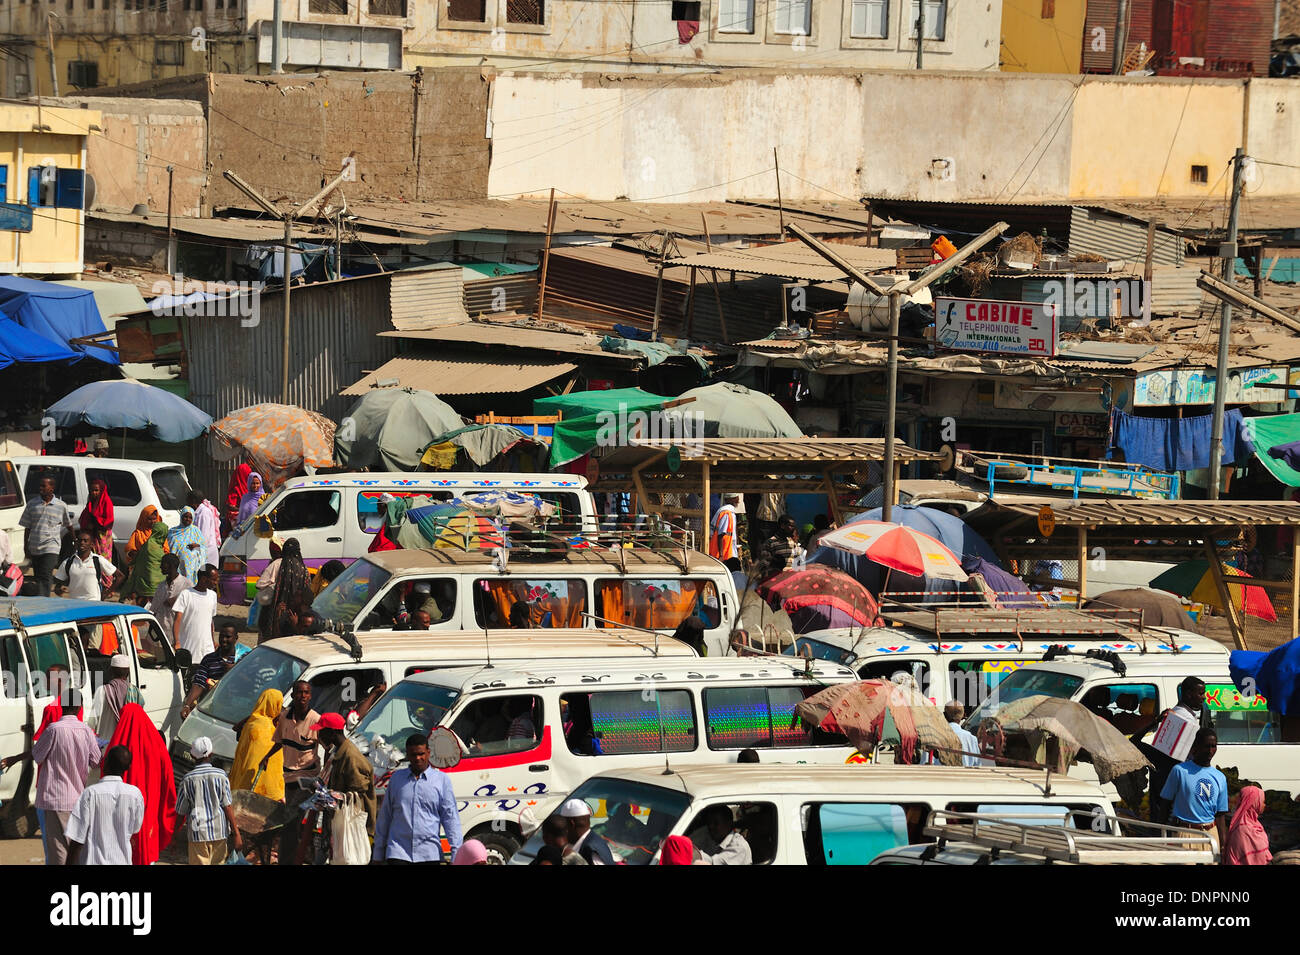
(418, 805)
(1199, 792)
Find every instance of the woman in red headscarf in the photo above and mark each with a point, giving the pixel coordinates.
(677, 850)
(97, 518)
(151, 773)
(236, 491)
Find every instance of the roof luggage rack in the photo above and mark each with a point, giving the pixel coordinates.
(949, 618)
(1148, 844)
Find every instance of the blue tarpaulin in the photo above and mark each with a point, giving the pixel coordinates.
(53, 314)
(1274, 675)
(1178, 444)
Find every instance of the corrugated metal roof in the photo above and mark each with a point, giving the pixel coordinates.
(512, 336)
(246, 230)
(1092, 230)
(1148, 513)
(428, 296)
(461, 377)
(791, 260)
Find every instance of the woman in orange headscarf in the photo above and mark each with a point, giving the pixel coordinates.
(151, 773)
(143, 528)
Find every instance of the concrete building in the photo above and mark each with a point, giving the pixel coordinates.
(43, 188)
(101, 43)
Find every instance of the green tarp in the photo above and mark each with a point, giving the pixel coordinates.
(585, 412)
(1268, 432)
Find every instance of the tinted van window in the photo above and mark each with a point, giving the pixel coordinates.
(122, 485)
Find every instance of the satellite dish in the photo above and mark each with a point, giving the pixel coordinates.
(947, 459)
(444, 748)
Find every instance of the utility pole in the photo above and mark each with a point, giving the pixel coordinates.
(895, 294)
(659, 288)
(171, 239)
(288, 218)
(780, 206)
(49, 36)
(277, 41)
(920, 30)
(1229, 253)
(1120, 39)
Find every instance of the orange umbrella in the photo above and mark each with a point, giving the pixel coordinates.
(278, 440)
(898, 548)
(859, 710)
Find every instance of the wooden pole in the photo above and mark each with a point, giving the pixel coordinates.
(288, 283)
(1151, 249)
(705, 506)
(690, 305)
(780, 206)
(659, 287)
(717, 295)
(871, 215)
(1082, 575)
(832, 501)
(1221, 585)
(546, 256)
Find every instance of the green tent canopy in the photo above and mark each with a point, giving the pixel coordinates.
(583, 403)
(1268, 432)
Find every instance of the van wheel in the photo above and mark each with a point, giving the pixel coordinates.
(500, 846)
(21, 825)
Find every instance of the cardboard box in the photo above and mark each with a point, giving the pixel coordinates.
(1175, 735)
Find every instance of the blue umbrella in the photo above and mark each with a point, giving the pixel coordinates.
(133, 405)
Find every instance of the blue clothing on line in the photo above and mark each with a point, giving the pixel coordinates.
(1178, 444)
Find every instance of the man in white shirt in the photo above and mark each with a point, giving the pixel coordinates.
(195, 609)
(85, 575)
(107, 815)
(719, 842)
(163, 603)
(953, 711)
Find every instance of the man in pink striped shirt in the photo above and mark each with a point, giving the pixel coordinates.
(65, 752)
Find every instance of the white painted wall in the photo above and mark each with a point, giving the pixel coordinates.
(1008, 136)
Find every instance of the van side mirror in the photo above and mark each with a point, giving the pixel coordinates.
(183, 659)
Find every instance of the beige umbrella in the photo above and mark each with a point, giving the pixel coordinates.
(1076, 729)
(859, 710)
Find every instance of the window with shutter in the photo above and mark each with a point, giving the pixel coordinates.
(736, 16)
(936, 19)
(471, 11)
(870, 18)
(525, 11)
(794, 17)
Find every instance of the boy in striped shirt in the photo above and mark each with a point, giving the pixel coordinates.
(204, 797)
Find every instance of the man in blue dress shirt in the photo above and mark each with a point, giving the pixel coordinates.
(419, 805)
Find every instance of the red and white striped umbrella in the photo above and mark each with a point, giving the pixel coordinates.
(897, 547)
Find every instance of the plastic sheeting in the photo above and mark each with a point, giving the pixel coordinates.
(52, 314)
(1177, 444)
(1271, 435)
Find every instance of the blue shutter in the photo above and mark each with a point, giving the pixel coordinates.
(4, 183)
(34, 186)
(69, 188)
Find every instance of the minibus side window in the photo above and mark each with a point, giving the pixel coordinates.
(339, 691)
(53, 650)
(755, 822)
(1129, 707)
(370, 512)
(854, 833)
(657, 604)
(759, 717)
(622, 722)
(517, 603)
(304, 510)
(1241, 719)
(500, 724)
(1080, 816)
(14, 668)
(892, 667)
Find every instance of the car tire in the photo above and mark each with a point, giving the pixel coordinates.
(500, 846)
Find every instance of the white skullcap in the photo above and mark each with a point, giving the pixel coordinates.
(575, 809)
(201, 748)
(120, 661)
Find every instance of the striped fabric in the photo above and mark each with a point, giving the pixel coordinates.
(202, 796)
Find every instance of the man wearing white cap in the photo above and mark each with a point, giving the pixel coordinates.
(203, 799)
(106, 705)
(586, 843)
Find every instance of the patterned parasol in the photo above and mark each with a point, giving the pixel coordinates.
(278, 440)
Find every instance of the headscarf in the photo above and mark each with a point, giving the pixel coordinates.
(97, 518)
(1247, 840)
(236, 491)
(251, 498)
(677, 850)
(255, 741)
(471, 852)
(292, 591)
(151, 773)
(146, 570)
(143, 528)
(179, 540)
